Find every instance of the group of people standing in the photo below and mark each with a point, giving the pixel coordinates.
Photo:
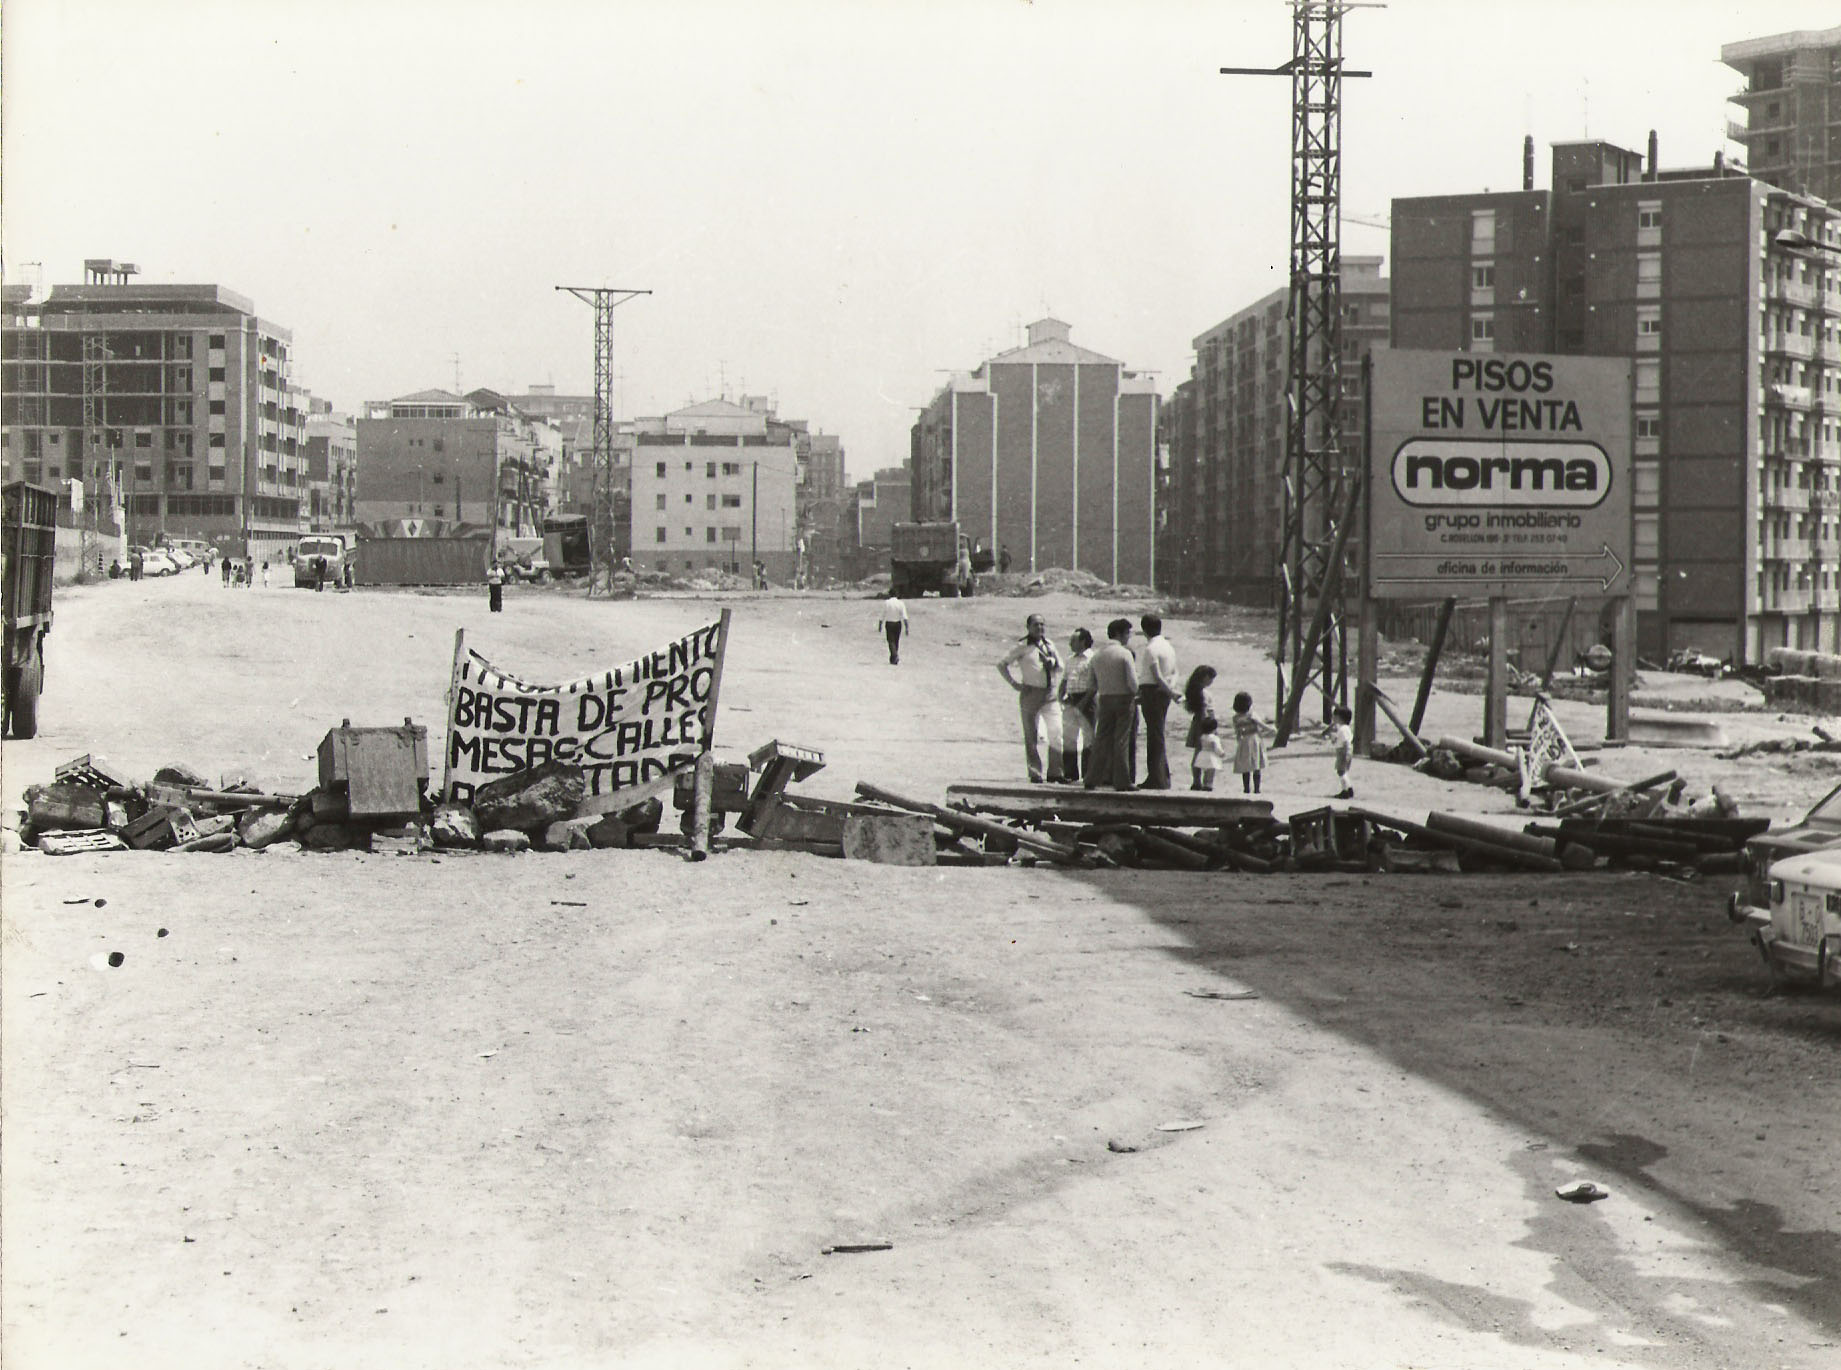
(1081, 717)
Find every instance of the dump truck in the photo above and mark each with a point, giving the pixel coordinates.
(932, 556)
(28, 557)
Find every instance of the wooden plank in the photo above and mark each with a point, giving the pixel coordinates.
(1163, 808)
(965, 822)
(1430, 669)
(624, 798)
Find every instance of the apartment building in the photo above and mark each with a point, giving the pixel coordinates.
(1726, 292)
(1049, 452)
(434, 463)
(1224, 428)
(714, 488)
(174, 403)
(332, 469)
(1792, 104)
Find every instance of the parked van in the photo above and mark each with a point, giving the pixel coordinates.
(309, 552)
(197, 548)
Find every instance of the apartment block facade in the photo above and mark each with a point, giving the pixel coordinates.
(332, 469)
(1726, 292)
(1225, 431)
(714, 488)
(439, 464)
(1049, 452)
(1792, 104)
(193, 422)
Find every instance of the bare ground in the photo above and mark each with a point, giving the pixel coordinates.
(610, 1107)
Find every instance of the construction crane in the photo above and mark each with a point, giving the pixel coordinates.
(1322, 478)
(604, 299)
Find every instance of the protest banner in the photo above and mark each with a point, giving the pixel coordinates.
(622, 726)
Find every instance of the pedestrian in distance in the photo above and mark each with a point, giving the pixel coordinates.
(265, 573)
(1115, 690)
(1156, 692)
(1039, 668)
(1003, 560)
(495, 590)
(1250, 736)
(1079, 700)
(894, 618)
(1203, 738)
(134, 565)
(1342, 737)
(319, 575)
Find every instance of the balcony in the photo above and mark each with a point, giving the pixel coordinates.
(1792, 292)
(1790, 396)
(1790, 499)
(1797, 345)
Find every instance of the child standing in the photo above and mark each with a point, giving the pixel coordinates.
(1249, 743)
(1204, 739)
(1342, 737)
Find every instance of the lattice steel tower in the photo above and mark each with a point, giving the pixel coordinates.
(605, 300)
(1322, 478)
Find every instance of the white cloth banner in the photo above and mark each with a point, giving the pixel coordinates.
(621, 726)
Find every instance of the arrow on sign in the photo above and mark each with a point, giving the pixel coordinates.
(1605, 580)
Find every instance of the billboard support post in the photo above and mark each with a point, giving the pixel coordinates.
(1496, 689)
(1623, 670)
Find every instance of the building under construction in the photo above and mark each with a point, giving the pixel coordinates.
(176, 399)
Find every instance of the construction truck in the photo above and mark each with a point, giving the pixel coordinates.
(28, 557)
(565, 545)
(933, 556)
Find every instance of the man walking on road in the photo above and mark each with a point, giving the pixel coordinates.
(1157, 686)
(894, 618)
(1115, 683)
(1040, 667)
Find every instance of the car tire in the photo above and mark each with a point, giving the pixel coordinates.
(23, 686)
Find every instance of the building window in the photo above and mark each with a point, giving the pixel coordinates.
(1648, 381)
(1648, 544)
(731, 468)
(661, 501)
(689, 498)
(709, 501)
(1482, 232)
(1483, 277)
(217, 341)
(709, 470)
(661, 535)
(216, 373)
(1482, 333)
(709, 534)
(217, 406)
(1649, 216)
(143, 439)
(1646, 485)
(1648, 275)
(215, 440)
(661, 470)
(1649, 425)
(688, 535)
(731, 501)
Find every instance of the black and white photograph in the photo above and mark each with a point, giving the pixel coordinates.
(920, 683)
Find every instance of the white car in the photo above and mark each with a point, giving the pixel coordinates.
(157, 563)
(1799, 935)
(181, 558)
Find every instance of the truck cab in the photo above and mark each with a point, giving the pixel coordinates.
(307, 556)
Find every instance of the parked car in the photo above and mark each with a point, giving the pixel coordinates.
(154, 561)
(181, 558)
(1696, 662)
(1818, 830)
(1799, 931)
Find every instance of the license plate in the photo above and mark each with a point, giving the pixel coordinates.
(1807, 911)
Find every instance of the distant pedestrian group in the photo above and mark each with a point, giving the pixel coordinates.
(1080, 718)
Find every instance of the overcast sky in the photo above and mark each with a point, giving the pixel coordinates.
(834, 201)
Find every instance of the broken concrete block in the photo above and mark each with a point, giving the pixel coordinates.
(569, 835)
(264, 827)
(410, 839)
(326, 837)
(217, 824)
(644, 816)
(531, 799)
(454, 826)
(62, 806)
(608, 831)
(505, 840)
(181, 775)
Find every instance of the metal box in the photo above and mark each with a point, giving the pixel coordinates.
(382, 771)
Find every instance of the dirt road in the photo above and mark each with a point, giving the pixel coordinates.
(612, 1108)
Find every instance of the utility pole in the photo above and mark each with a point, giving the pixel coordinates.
(1322, 477)
(605, 300)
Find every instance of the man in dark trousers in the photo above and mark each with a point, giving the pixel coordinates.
(1157, 686)
(894, 618)
(1115, 682)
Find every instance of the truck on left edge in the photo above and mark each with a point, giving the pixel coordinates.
(28, 557)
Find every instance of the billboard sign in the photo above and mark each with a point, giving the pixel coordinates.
(1496, 474)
